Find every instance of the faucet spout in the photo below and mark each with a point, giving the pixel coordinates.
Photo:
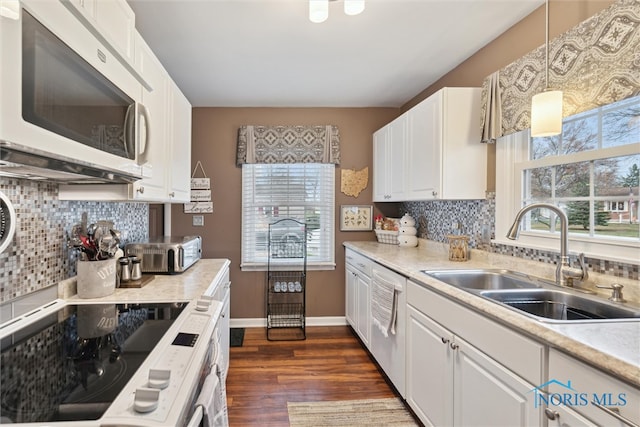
(565, 274)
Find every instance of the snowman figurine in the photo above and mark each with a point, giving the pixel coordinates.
(407, 232)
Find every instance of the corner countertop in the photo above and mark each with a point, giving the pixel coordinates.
(612, 347)
(163, 288)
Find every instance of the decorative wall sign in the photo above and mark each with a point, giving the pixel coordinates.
(356, 218)
(352, 182)
(198, 207)
(200, 193)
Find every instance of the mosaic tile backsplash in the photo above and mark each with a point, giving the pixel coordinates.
(476, 219)
(40, 255)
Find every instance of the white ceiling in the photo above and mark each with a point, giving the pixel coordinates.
(266, 53)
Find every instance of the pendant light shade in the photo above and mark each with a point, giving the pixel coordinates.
(546, 107)
(353, 7)
(546, 113)
(318, 10)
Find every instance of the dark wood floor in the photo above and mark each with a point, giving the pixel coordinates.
(329, 365)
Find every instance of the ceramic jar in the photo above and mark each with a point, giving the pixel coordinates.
(407, 232)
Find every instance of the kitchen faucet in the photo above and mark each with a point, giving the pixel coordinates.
(565, 274)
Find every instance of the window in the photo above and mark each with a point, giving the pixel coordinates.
(590, 171)
(302, 191)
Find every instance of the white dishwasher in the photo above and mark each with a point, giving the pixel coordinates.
(389, 350)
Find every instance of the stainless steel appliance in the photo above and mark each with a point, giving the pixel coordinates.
(110, 364)
(69, 111)
(169, 254)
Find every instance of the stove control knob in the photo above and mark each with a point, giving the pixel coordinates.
(146, 399)
(159, 378)
(202, 305)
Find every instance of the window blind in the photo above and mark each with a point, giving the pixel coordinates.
(302, 191)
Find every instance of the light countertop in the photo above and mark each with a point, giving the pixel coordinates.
(611, 347)
(163, 288)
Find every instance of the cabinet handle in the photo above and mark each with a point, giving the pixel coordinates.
(434, 193)
(615, 414)
(140, 190)
(454, 346)
(551, 414)
(172, 194)
(444, 340)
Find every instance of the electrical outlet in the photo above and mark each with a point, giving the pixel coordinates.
(198, 220)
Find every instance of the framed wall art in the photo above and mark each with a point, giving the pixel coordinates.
(356, 218)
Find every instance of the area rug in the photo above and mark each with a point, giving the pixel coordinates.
(351, 413)
(236, 337)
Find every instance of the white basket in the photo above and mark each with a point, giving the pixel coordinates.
(387, 236)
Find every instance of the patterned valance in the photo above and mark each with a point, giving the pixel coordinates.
(288, 144)
(594, 64)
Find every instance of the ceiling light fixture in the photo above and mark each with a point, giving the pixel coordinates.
(319, 9)
(546, 107)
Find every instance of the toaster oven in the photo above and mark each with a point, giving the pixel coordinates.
(166, 255)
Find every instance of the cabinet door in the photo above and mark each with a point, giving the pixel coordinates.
(396, 152)
(432, 173)
(350, 295)
(363, 312)
(180, 147)
(423, 149)
(429, 369)
(153, 188)
(116, 21)
(380, 190)
(488, 394)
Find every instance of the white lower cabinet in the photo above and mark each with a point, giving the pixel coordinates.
(454, 382)
(358, 294)
(579, 395)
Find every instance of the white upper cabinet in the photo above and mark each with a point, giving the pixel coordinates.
(156, 102)
(442, 157)
(113, 22)
(179, 164)
(389, 158)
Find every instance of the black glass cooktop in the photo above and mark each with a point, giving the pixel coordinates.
(72, 364)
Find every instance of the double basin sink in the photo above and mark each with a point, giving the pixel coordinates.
(534, 297)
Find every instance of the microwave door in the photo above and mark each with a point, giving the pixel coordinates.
(64, 94)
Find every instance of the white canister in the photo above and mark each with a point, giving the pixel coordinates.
(96, 279)
(406, 240)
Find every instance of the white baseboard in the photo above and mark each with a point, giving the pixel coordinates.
(261, 322)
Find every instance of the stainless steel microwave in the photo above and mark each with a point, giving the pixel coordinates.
(66, 103)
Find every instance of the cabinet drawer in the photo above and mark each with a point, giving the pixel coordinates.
(589, 385)
(359, 262)
(518, 353)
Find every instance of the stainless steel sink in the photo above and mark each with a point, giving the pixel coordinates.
(558, 305)
(483, 279)
(535, 297)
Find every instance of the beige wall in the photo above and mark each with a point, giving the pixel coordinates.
(214, 144)
(514, 43)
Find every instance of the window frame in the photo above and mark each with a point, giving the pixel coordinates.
(329, 205)
(512, 158)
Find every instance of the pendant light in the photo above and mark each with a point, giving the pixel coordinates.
(546, 107)
(353, 7)
(319, 9)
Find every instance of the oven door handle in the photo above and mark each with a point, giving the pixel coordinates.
(196, 418)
